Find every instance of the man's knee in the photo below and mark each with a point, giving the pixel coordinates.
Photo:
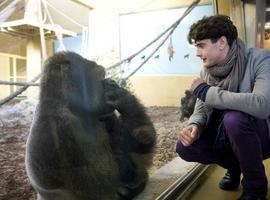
(234, 119)
(237, 124)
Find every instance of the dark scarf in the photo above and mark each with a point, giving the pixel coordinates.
(229, 74)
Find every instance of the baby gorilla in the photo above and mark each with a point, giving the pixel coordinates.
(90, 139)
(187, 105)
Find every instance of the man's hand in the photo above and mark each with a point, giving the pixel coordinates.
(195, 83)
(189, 134)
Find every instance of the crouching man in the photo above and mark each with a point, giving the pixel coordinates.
(229, 125)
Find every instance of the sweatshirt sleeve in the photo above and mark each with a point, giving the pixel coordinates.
(199, 116)
(255, 103)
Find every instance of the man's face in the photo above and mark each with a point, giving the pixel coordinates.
(209, 52)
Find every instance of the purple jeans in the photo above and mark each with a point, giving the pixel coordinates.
(237, 142)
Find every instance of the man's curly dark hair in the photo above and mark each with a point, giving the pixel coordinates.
(213, 28)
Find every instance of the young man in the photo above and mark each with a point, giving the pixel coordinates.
(230, 122)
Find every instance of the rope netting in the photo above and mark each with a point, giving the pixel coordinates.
(113, 68)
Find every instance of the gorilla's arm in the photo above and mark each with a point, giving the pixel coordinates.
(133, 138)
(137, 127)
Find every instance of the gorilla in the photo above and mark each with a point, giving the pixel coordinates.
(90, 139)
(187, 105)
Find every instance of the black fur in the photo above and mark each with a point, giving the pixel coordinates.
(187, 105)
(134, 135)
(78, 147)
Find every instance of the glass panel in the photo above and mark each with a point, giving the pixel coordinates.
(11, 87)
(11, 72)
(18, 87)
(137, 29)
(21, 79)
(21, 67)
(267, 27)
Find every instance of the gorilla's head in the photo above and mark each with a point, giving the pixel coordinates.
(77, 82)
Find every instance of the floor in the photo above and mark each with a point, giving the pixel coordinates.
(209, 190)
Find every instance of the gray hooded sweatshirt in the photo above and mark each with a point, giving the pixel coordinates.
(254, 92)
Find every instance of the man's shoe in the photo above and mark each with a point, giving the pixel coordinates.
(250, 197)
(229, 182)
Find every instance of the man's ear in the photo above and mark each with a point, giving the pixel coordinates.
(223, 42)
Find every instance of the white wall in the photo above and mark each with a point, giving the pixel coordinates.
(4, 75)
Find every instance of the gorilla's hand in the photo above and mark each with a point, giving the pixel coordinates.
(114, 94)
(144, 134)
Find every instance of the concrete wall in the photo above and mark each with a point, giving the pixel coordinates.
(7, 60)
(267, 44)
(4, 75)
(223, 7)
(12, 44)
(160, 90)
(33, 60)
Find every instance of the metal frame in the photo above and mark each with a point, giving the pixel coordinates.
(182, 187)
(260, 22)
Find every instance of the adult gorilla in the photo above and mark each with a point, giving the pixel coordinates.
(90, 139)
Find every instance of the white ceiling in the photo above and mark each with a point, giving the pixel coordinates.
(105, 13)
(70, 8)
(102, 9)
(73, 10)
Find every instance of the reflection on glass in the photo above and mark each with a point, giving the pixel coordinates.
(17, 70)
(20, 67)
(12, 86)
(23, 79)
(11, 71)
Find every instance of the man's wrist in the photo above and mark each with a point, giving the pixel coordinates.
(201, 90)
(199, 128)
